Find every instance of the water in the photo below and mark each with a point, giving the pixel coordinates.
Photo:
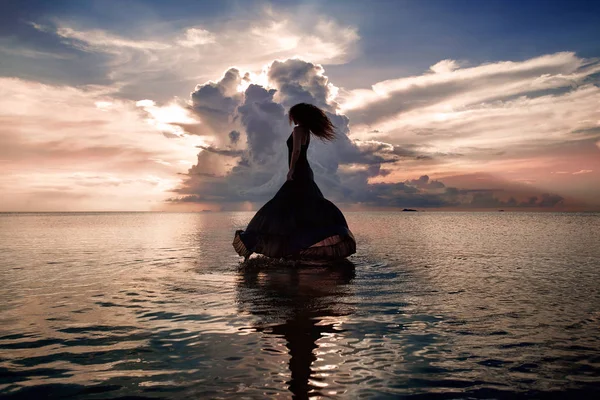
(434, 305)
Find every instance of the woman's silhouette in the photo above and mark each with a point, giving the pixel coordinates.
(299, 221)
(292, 303)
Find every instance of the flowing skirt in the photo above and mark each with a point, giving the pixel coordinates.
(298, 222)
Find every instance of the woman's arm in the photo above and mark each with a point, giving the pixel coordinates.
(297, 136)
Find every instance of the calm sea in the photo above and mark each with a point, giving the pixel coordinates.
(433, 305)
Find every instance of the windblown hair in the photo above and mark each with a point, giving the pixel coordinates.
(313, 118)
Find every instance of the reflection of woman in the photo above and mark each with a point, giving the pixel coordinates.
(298, 220)
(291, 302)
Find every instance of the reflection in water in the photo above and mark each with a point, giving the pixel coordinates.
(443, 305)
(300, 303)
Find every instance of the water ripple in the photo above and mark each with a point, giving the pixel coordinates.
(434, 305)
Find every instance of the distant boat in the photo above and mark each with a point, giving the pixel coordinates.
(500, 210)
(409, 209)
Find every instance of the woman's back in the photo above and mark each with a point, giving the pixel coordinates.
(302, 170)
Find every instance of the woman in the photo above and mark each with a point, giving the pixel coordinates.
(298, 222)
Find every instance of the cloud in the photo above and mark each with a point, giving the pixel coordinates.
(515, 120)
(258, 115)
(486, 199)
(150, 63)
(98, 40)
(109, 152)
(465, 86)
(223, 152)
(425, 183)
(215, 103)
(583, 171)
(444, 66)
(502, 105)
(196, 37)
(300, 81)
(234, 136)
(252, 166)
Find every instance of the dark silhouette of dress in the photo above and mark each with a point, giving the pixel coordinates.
(298, 221)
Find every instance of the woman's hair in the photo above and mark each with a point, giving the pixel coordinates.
(314, 119)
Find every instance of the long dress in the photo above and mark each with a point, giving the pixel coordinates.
(298, 222)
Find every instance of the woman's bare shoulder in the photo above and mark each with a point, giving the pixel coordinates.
(302, 132)
(300, 128)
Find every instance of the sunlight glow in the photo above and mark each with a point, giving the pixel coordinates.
(103, 105)
(171, 113)
(251, 78)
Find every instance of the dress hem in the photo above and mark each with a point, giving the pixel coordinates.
(331, 247)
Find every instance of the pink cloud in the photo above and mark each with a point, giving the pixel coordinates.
(95, 151)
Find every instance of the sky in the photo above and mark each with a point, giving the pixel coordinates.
(182, 105)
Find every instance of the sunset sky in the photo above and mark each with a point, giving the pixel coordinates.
(182, 105)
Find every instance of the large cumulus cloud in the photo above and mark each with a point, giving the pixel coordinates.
(247, 124)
